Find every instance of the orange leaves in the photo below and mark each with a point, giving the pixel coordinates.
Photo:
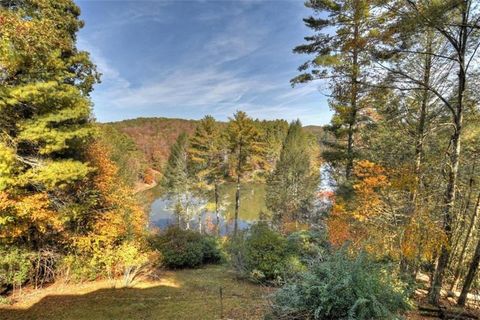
(106, 170)
(339, 225)
(149, 177)
(422, 238)
(371, 179)
(20, 214)
(119, 214)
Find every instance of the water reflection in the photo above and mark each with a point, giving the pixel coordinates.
(252, 206)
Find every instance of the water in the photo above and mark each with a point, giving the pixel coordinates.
(252, 206)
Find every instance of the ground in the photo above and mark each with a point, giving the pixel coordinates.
(184, 294)
(180, 295)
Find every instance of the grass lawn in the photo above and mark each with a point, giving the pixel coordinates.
(184, 294)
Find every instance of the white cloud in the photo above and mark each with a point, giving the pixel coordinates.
(212, 79)
(200, 88)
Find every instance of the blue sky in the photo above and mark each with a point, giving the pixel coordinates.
(187, 59)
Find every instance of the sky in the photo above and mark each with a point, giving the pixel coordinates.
(190, 58)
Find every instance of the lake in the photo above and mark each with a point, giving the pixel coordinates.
(252, 205)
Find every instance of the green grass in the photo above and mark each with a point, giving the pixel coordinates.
(184, 294)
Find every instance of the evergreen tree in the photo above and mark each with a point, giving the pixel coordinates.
(340, 57)
(292, 185)
(273, 136)
(456, 22)
(207, 155)
(45, 118)
(245, 150)
(177, 180)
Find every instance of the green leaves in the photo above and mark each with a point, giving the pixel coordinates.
(244, 142)
(56, 174)
(291, 186)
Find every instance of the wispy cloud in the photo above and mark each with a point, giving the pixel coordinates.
(211, 58)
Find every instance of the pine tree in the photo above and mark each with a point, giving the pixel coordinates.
(177, 180)
(245, 150)
(207, 155)
(455, 22)
(341, 58)
(292, 185)
(45, 114)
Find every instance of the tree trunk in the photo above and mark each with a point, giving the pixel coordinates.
(460, 46)
(217, 209)
(237, 194)
(405, 265)
(200, 222)
(472, 270)
(456, 276)
(353, 101)
(237, 207)
(460, 225)
(434, 295)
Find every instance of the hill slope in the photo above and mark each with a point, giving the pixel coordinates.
(154, 136)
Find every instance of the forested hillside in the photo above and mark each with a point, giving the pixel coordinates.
(142, 145)
(154, 136)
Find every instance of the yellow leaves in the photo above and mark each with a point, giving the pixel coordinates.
(37, 209)
(371, 178)
(370, 175)
(7, 160)
(124, 216)
(327, 60)
(106, 171)
(423, 237)
(19, 215)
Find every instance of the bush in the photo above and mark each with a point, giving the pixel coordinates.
(308, 245)
(260, 254)
(129, 261)
(15, 268)
(212, 252)
(341, 287)
(186, 248)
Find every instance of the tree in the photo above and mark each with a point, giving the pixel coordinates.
(291, 186)
(207, 155)
(177, 180)
(45, 120)
(340, 57)
(245, 150)
(456, 22)
(472, 270)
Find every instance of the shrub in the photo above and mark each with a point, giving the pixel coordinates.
(186, 248)
(15, 268)
(341, 287)
(307, 245)
(260, 254)
(80, 268)
(129, 262)
(212, 252)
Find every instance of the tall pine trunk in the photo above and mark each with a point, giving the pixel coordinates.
(450, 195)
(406, 267)
(472, 270)
(353, 102)
(463, 249)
